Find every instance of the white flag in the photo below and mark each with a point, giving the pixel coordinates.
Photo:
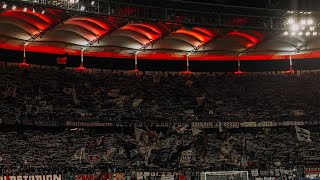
(146, 152)
(220, 127)
(74, 96)
(141, 136)
(136, 103)
(195, 131)
(14, 91)
(180, 129)
(303, 134)
(80, 154)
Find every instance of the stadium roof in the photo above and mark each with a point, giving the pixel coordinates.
(56, 31)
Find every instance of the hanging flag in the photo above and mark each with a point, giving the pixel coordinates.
(227, 146)
(303, 134)
(14, 91)
(10, 91)
(195, 131)
(74, 96)
(146, 152)
(133, 153)
(136, 103)
(180, 129)
(244, 145)
(141, 136)
(80, 154)
(189, 112)
(119, 101)
(220, 126)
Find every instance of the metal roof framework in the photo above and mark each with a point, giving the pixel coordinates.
(178, 11)
(29, 28)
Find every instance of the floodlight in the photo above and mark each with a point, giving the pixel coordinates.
(294, 27)
(310, 21)
(291, 21)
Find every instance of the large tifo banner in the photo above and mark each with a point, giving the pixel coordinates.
(198, 125)
(32, 177)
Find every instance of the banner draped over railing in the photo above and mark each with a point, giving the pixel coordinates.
(197, 125)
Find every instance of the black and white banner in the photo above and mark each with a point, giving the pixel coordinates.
(33, 177)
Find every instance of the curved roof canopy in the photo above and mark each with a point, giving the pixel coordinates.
(56, 28)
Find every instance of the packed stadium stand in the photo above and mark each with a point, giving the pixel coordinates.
(69, 96)
(177, 89)
(56, 98)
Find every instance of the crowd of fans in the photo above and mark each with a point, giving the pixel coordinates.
(47, 95)
(56, 96)
(84, 151)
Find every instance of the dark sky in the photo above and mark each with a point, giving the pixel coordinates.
(286, 4)
(276, 4)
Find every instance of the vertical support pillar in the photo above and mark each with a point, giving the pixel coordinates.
(24, 54)
(239, 72)
(188, 65)
(81, 64)
(290, 61)
(109, 8)
(24, 61)
(98, 6)
(136, 61)
(81, 67)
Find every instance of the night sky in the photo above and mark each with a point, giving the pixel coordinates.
(276, 4)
